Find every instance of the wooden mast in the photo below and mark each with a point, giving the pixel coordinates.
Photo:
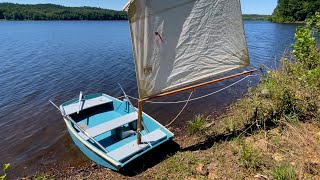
(139, 124)
(140, 101)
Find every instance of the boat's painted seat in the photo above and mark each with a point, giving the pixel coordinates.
(110, 125)
(86, 104)
(132, 147)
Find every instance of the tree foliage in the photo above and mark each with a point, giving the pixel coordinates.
(305, 47)
(5, 167)
(10, 11)
(294, 10)
(255, 17)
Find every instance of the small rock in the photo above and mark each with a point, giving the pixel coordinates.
(261, 144)
(201, 169)
(212, 166)
(278, 157)
(213, 175)
(265, 92)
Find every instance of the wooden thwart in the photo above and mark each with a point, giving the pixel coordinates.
(85, 104)
(110, 125)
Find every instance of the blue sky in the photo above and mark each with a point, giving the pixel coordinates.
(248, 6)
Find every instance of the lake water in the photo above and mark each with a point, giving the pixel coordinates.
(55, 60)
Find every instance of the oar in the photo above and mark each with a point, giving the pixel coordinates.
(80, 128)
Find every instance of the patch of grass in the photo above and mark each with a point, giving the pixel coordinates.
(182, 164)
(249, 157)
(275, 140)
(291, 118)
(197, 125)
(40, 176)
(284, 172)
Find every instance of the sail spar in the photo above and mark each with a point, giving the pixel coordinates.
(180, 42)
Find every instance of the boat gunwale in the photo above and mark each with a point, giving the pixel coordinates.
(91, 147)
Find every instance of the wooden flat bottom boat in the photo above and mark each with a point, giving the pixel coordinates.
(105, 130)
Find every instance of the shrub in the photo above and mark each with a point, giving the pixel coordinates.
(249, 157)
(305, 46)
(288, 103)
(5, 167)
(197, 125)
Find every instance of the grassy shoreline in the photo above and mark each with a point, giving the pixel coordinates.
(272, 132)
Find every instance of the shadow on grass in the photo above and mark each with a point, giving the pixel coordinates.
(245, 131)
(150, 159)
(170, 148)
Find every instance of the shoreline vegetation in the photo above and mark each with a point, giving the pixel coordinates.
(294, 11)
(10, 11)
(273, 132)
(25, 12)
(255, 17)
(287, 11)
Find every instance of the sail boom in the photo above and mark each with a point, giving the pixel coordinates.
(198, 85)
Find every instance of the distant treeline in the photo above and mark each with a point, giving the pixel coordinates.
(255, 17)
(288, 11)
(10, 11)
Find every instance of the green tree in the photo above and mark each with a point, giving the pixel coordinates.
(294, 10)
(10, 11)
(1, 14)
(305, 48)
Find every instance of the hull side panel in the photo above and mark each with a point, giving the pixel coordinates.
(93, 156)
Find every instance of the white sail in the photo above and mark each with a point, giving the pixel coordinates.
(179, 42)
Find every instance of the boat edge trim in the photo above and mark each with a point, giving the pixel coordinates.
(89, 146)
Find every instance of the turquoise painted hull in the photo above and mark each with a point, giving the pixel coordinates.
(93, 156)
(95, 117)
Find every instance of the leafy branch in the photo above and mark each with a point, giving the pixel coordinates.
(5, 167)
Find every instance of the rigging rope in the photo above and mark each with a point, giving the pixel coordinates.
(181, 110)
(194, 99)
(189, 99)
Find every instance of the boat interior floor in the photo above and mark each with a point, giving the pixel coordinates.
(115, 130)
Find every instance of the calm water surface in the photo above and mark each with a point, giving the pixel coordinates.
(55, 60)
